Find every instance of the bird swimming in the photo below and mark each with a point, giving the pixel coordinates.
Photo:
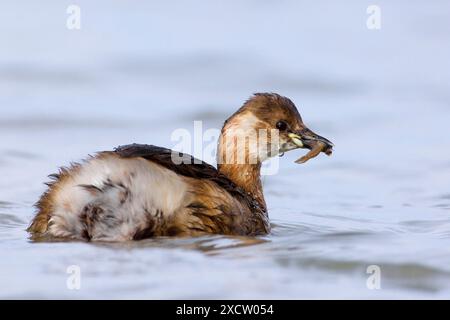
(142, 191)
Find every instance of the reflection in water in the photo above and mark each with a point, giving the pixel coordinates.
(211, 245)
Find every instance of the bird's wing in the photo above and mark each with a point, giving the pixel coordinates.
(181, 163)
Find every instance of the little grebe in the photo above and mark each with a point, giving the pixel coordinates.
(139, 191)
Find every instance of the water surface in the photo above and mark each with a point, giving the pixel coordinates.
(136, 72)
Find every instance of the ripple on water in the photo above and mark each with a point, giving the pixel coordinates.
(440, 227)
(441, 201)
(11, 227)
(10, 221)
(410, 276)
(7, 205)
(20, 154)
(443, 206)
(445, 196)
(337, 217)
(283, 228)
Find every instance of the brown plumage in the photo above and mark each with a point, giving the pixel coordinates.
(139, 191)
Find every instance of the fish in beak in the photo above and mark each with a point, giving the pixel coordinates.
(305, 138)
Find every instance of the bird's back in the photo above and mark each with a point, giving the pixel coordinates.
(137, 192)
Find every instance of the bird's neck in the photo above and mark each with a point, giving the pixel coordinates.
(239, 163)
(247, 177)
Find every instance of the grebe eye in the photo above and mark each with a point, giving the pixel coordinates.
(281, 125)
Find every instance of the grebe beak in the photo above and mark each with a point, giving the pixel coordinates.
(306, 138)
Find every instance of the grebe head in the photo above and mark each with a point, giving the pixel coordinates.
(266, 125)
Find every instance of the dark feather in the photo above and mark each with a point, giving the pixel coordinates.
(191, 167)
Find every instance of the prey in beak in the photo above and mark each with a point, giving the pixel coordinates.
(305, 138)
